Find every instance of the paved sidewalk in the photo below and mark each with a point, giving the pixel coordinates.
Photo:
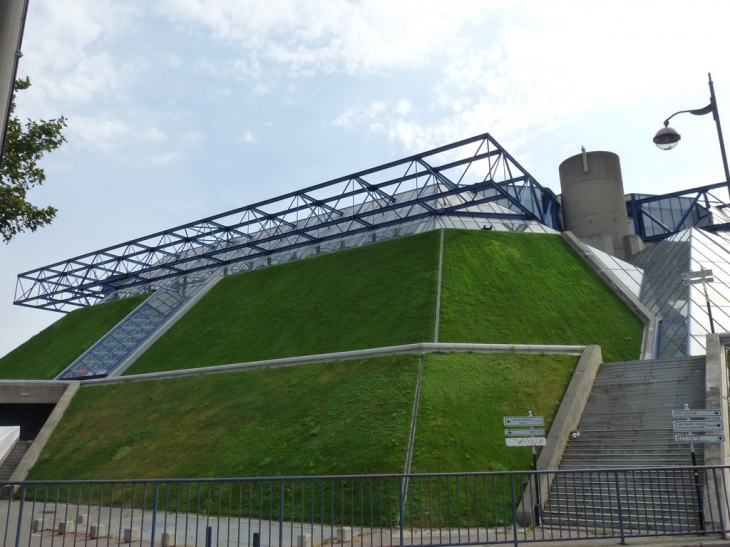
(189, 529)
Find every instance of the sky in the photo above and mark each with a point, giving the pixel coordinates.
(182, 109)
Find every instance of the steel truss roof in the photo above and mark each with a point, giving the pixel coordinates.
(451, 180)
(659, 217)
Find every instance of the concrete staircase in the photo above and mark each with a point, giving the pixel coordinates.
(627, 423)
(10, 463)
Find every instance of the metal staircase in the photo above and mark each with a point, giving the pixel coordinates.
(627, 423)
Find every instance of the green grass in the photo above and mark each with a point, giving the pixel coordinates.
(50, 351)
(503, 287)
(372, 296)
(464, 397)
(333, 418)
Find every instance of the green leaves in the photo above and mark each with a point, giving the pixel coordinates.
(25, 145)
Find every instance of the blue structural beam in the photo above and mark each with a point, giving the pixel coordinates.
(659, 217)
(452, 179)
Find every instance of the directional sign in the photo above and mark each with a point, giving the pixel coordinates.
(524, 432)
(523, 420)
(697, 413)
(697, 426)
(687, 282)
(693, 275)
(699, 438)
(526, 441)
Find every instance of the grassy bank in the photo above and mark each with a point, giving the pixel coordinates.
(503, 287)
(464, 397)
(371, 296)
(335, 418)
(50, 351)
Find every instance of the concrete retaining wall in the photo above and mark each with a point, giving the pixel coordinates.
(566, 420)
(31, 392)
(34, 452)
(344, 355)
(8, 437)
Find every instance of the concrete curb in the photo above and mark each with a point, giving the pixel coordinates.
(634, 304)
(343, 355)
(566, 420)
(34, 452)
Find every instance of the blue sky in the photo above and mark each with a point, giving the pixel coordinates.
(181, 109)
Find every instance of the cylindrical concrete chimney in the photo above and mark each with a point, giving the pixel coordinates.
(594, 208)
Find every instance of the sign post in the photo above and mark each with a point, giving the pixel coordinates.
(527, 437)
(696, 431)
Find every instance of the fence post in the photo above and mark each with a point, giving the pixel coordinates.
(401, 509)
(154, 513)
(281, 513)
(20, 512)
(256, 539)
(620, 510)
(514, 510)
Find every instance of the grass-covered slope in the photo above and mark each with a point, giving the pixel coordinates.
(334, 418)
(464, 397)
(516, 288)
(50, 351)
(372, 296)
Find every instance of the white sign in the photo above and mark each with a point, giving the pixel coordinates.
(524, 432)
(523, 420)
(699, 438)
(688, 282)
(697, 426)
(526, 441)
(697, 413)
(700, 273)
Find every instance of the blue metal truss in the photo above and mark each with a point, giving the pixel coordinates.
(455, 179)
(659, 217)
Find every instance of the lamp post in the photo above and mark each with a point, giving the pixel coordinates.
(667, 138)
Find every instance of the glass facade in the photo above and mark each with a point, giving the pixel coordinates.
(686, 310)
(395, 226)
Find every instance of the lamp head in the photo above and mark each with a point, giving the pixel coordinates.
(666, 138)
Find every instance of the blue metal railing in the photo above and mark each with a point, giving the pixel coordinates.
(375, 510)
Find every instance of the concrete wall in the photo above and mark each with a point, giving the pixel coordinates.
(8, 437)
(34, 452)
(593, 200)
(716, 396)
(12, 20)
(30, 392)
(566, 420)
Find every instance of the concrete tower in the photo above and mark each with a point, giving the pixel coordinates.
(594, 208)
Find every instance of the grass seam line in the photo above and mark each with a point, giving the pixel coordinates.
(414, 419)
(344, 355)
(438, 287)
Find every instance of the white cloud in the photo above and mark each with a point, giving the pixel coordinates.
(58, 52)
(403, 108)
(335, 35)
(100, 133)
(162, 159)
(153, 134)
(248, 138)
(355, 115)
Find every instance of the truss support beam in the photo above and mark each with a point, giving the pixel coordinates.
(414, 187)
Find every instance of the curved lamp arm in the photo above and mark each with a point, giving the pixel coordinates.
(698, 112)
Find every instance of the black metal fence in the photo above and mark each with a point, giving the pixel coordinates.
(373, 510)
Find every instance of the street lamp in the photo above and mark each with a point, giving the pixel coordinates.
(667, 138)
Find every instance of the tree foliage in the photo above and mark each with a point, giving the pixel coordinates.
(25, 144)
